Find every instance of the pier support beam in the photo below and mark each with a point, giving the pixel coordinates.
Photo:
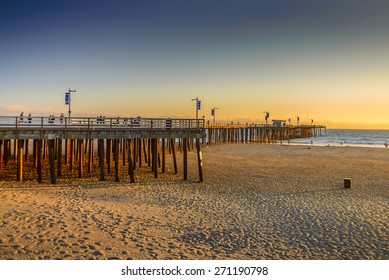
(130, 165)
(144, 152)
(51, 160)
(80, 157)
(39, 159)
(26, 147)
(66, 151)
(19, 150)
(185, 150)
(139, 141)
(109, 149)
(116, 155)
(59, 157)
(101, 158)
(71, 152)
(149, 152)
(163, 155)
(173, 149)
(199, 160)
(155, 156)
(90, 155)
(1, 154)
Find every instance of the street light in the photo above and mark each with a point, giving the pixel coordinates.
(198, 106)
(213, 113)
(68, 99)
(267, 115)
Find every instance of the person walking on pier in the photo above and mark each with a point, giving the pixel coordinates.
(21, 118)
(61, 118)
(29, 118)
(51, 119)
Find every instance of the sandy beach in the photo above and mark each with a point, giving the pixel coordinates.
(257, 202)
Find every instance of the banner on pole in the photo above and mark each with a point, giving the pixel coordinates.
(199, 105)
(67, 98)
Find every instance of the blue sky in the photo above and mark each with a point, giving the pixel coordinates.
(326, 60)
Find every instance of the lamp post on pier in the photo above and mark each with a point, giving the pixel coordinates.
(213, 113)
(68, 99)
(267, 115)
(198, 106)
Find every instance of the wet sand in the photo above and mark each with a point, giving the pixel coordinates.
(257, 202)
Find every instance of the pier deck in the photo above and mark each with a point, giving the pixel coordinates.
(124, 141)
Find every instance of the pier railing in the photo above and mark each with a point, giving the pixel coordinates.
(99, 122)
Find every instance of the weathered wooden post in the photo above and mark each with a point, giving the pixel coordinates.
(39, 159)
(144, 151)
(71, 153)
(15, 149)
(109, 149)
(134, 152)
(155, 157)
(101, 158)
(34, 146)
(117, 163)
(140, 151)
(19, 150)
(130, 167)
(26, 152)
(59, 157)
(51, 160)
(199, 160)
(66, 151)
(185, 150)
(7, 151)
(90, 155)
(149, 152)
(173, 149)
(347, 183)
(163, 155)
(80, 156)
(1, 154)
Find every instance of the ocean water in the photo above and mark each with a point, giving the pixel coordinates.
(348, 137)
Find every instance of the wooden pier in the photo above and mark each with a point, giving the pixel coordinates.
(124, 143)
(74, 141)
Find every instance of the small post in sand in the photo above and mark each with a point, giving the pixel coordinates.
(347, 183)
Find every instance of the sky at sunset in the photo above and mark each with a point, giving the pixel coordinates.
(321, 60)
